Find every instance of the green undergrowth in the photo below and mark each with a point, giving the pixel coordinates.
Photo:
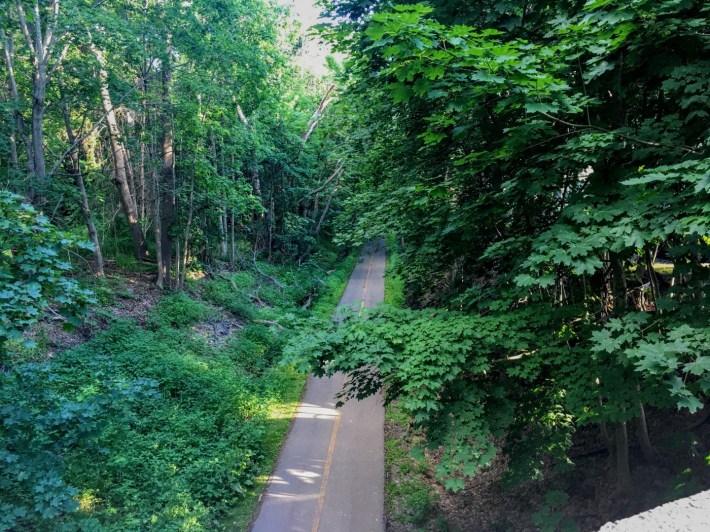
(409, 499)
(334, 287)
(159, 427)
(394, 282)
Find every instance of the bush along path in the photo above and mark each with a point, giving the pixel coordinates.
(330, 474)
(168, 422)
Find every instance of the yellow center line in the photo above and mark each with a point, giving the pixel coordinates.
(334, 433)
(326, 473)
(364, 287)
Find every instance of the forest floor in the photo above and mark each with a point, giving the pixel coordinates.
(200, 404)
(582, 498)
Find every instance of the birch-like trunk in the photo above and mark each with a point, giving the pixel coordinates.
(120, 159)
(167, 181)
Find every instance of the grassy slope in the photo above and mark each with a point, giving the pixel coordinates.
(184, 420)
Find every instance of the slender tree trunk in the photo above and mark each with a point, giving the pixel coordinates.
(158, 232)
(120, 163)
(232, 243)
(9, 56)
(40, 42)
(622, 457)
(325, 211)
(608, 440)
(271, 221)
(176, 284)
(254, 169)
(131, 181)
(39, 90)
(141, 182)
(618, 283)
(317, 115)
(167, 203)
(13, 150)
(83, 198)
(618, 286)
(186, 234)
(223, 226)
(652, 279)
(649, 453)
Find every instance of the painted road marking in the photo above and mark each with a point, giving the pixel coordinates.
(336, 426)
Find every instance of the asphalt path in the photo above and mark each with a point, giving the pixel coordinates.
(330, 475)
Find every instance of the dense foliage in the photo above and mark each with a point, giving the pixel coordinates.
(33, 261)
(546, 167)
(181, 139)
(173, 131)
(162, 426)
(542, 169)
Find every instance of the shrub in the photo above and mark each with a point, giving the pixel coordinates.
(178, 311)
(33, 270)
(132, 429)
(223, 294)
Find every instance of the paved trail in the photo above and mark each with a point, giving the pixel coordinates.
(330, 476)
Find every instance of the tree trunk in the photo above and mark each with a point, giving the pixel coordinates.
(623, 470)
(40, 43)
(120, 163)
(186, 243)
(649, 453)
(167, 189)
(608, 440)
(254, 169)
(141, 182)
(83, 198)
(325, 211)
(618, 284)
(271, 221)
(9, 56)
(232, 243)
(317, 115)
(39, 90)
(223, 226)
(131, 181)
(13, 150)
(158, 232)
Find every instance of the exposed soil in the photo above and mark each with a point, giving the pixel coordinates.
(137, 296)
(134, 296)
(681, 440)
(217, 331)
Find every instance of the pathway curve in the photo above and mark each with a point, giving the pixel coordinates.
(330, 475)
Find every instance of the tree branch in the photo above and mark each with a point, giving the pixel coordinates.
(620, 135)
(25, 28)
(313, 122)
(338, 171)
(81, 138)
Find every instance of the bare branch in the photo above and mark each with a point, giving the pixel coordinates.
(315, 119)
(338, 172)
(81, 138)
(59, 60)
(51, 31)
(242, 116)
(25, 28)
